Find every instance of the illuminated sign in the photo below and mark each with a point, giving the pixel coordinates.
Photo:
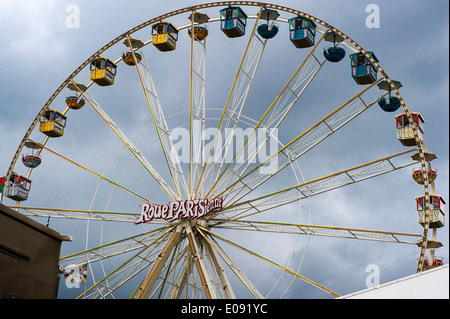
(182, 209)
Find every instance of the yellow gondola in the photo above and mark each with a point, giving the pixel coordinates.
(103, 71)
(200, 32)
(164, 36)
(129, 60)
(75, 103)
(52, 123)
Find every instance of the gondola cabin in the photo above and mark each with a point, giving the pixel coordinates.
(17, 188)
(363, 71)
(31, 160)
(436, 212)
(200, 33)
(438, 261)
(75, 103)
(405, 132)
(233, 21)
(164, 36)
(302, 32)
(269, 29)
(389, 103)
(334, 53)
(103, 71)
(52, 123)
(128, 59)
(417, 175)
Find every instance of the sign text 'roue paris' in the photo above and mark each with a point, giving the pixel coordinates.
(181, 209)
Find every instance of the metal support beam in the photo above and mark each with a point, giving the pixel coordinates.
(199, 262)
(220, 272)
(150, 280)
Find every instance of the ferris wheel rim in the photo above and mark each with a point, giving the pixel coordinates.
(421, 146)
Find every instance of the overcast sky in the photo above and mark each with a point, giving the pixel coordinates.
(40, 50)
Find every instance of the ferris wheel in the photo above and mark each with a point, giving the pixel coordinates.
(194, 160)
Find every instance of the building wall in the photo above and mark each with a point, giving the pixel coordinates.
(29, 257)
(430, 284)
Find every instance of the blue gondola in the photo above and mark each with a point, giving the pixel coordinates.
(268, 30)
(389, 103)
(233, 21)
(363, 72)
(302, 32)
(334, 53)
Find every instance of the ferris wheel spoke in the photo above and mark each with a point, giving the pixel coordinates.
(297, 147)
(157, 267)
(81, 214)
(317, 230)
(289, 155)
(225, 285)
(123, 276)
(92, 172)
(212, 244)
(317, 186)
(117, 247)
(128, 143)
(199, 262)
(157, 114)
(129, 271)
(197, 101)
(183, 279)
(121, 267)
(236, 100)
(252, 253)
(294, 88)
(171, 272)
(181, 275)
(174, 268)
(276, 112)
